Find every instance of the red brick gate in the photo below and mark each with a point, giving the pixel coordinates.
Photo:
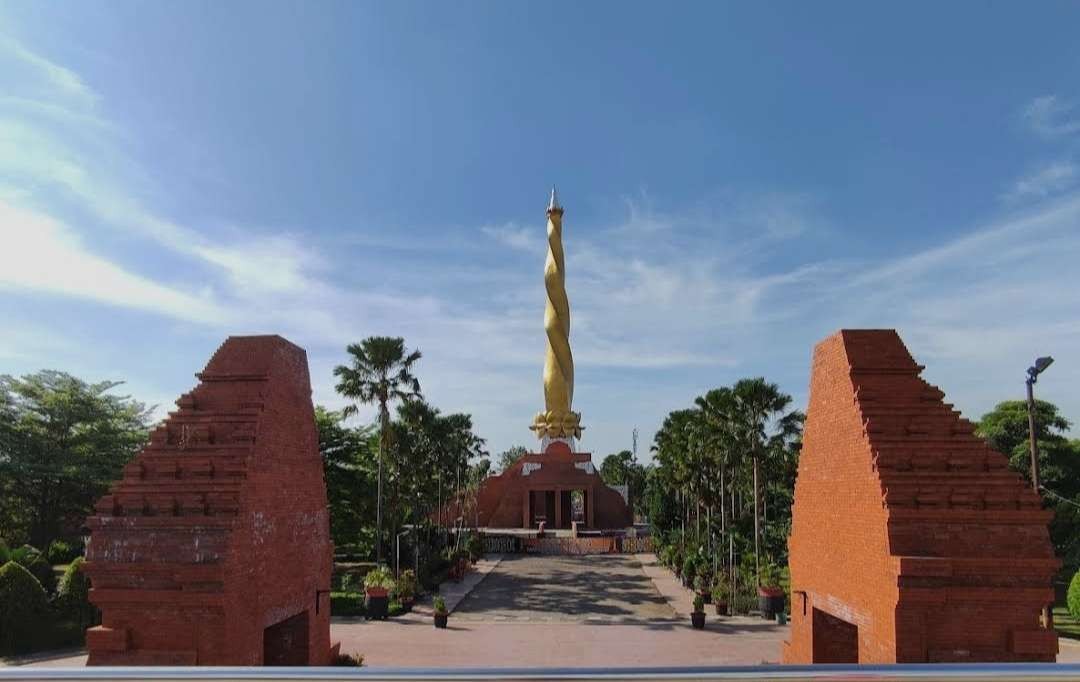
(911, 540)
(214, 548)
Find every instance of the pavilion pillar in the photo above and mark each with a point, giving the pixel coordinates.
(589, 507)
(558, 507)
(525, 522)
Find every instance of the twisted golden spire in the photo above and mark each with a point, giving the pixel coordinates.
(557, 420)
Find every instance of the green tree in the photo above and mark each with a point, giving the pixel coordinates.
(379, 372)
(762, 405)
(507, 458)
(622, 469)
(348, 468)
(62, 442)
(1006, 430)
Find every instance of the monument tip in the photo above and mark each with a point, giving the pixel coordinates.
(554, 203)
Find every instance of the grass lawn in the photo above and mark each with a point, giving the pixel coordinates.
(1066, 625)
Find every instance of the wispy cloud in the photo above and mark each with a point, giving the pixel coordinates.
(1052, 116)
(59, 78)
(1044, 182)
(44, 255)
(517, 236)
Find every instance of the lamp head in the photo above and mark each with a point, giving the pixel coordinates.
(1040, 365)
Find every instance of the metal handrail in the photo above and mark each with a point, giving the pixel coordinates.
(999, 672)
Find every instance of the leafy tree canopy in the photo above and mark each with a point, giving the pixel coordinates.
(62, 441)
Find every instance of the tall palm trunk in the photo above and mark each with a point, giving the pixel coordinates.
(723, 510)
(384, 418)
(757, 521)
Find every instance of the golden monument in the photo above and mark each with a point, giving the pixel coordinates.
(557, 421)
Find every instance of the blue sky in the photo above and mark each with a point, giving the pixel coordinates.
(740, 180)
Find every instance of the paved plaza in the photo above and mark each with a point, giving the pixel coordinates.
(558, 611)
(525, 588)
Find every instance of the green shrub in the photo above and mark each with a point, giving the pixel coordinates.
(24, 609)
(689, 567)
(433, 572)
(348, 660)
(5, 552)
(405, 586)
(677, 558)
(699, 603)
(348, 582)
(61, 552)
(33, 560)
(346, 604)
(475, 547)
(379, 577)
(769, 575)
(25, 554)
(439, 604)
(701, 583)
(1073, 599)
(73, 595)
(721, 589)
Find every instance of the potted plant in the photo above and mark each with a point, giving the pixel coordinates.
(689, 569)
(770, 594)
(697, 616)
(702, 585)
(405, 587)
(441, 614)
(475, 547)
(720, 592)
(377, 585)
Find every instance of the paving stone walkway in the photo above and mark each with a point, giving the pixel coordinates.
(609, 611)
(556, 589)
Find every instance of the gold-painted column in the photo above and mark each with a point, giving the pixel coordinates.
(557, 420)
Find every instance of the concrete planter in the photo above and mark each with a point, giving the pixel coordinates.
(697, 619)
(771, 600)
(377, 607)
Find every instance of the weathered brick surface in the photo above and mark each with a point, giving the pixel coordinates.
(219, 528)
(502, 499)
(907, 525)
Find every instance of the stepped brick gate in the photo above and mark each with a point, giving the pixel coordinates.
(214, 548)
(911, 540)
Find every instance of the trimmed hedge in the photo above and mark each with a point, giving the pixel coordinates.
(1073, 598)
(346, 603)
(61, 552)
(73, 595)
(24, 609)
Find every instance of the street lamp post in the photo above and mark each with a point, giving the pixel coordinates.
(1033, 373)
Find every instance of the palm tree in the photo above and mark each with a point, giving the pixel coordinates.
(759, 403)
(380, 372)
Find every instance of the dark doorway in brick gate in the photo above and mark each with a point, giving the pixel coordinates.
(835, 639)
(286, 643)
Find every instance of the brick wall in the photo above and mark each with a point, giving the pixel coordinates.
(906, 525)
(219, 528)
